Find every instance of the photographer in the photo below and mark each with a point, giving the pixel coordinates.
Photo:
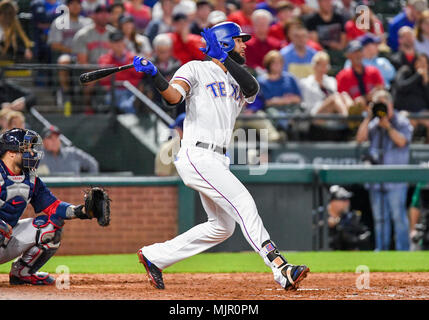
(346, 232)
(389, 134)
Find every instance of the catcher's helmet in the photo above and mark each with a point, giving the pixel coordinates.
(27, 142)
(226, 32)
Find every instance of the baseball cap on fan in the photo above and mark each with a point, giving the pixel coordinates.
(48, 131)
(339, 193)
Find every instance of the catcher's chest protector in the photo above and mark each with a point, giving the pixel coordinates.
(15, 194)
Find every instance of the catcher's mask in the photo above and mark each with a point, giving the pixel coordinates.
(27, 142)
(226, 32)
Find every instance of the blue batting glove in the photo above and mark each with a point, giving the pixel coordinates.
(213, 48)
(143, 65)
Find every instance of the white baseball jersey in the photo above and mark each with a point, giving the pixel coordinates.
(212, 104)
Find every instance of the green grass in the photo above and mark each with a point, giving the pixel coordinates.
(338, 261)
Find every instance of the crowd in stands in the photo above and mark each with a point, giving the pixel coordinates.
(309, 56)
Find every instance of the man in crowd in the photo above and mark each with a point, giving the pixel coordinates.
(408, 17)
(186, 46)
(298, 55)
(260, 44)
(406, 55)
(60, 160)
(90, 43)
(243, 16)
(389, 134)
(60, 39)
(359, 81)
(327, 27)
(119, 55)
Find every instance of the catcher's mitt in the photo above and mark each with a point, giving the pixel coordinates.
(97, 205)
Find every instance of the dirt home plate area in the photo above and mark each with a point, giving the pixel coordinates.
(231, 286)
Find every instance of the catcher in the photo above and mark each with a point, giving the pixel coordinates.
(34, 241)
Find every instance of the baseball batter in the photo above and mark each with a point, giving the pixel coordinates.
(215, 92)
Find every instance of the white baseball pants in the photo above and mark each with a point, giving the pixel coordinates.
(226, 202)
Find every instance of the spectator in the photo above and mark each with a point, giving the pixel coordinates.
(14, 119)
(135, 42)
(119, 55)
(359, 81)
(186, 46)
(297, 55)
(306, 7)
(117, 10)
(269, 5)
(164, 24)
(284, 13)
(260, 44)
(406, 55)
(60, 160)
(243, 16)
(411, 90)
(140, 12)
(279, 91)
(44, 12)
(60, 39)
(3, 118)
(370, 45)
(89, 6)
(408, 17)
(14, 43)
(290, 26)
(346, 232)
(89, 44)
(327, 27)
(201, 21)
(164, 160)
(320, 96)
(389, 134)
(422, 34)
(166, 64)
(346, 8)
(216, 17)
(354, 31)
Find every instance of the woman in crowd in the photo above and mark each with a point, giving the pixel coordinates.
(14, 43)
(422, 34)
(140, 12)
(320, 96)
(135, 42)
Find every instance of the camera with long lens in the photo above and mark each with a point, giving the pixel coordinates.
(379, 110)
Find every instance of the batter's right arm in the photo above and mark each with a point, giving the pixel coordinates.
(174, 93)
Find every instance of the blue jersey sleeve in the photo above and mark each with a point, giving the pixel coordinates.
(42, 196)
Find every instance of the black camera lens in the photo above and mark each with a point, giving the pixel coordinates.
(379, 110)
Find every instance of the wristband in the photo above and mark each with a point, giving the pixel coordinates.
(160, 82)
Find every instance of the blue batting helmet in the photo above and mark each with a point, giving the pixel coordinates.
(27, 142)
(226, 32)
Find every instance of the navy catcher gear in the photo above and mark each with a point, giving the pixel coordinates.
(27, 142)
(225, 33)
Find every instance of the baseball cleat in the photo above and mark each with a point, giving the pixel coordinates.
(37, 279)
(154, 274)
(294, 275)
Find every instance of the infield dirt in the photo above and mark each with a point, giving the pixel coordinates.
(231, 286)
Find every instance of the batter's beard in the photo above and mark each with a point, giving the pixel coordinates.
(234, 55)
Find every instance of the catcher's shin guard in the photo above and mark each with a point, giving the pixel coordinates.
(287, 275)
(154, 274)
(48, 236)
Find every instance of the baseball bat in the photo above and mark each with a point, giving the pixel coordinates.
(101, 73)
